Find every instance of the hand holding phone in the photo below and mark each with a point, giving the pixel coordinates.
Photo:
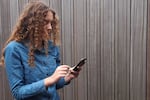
(79, 64)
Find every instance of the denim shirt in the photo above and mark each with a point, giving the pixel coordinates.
(27, 82)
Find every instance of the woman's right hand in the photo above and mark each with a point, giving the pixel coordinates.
(60, 72)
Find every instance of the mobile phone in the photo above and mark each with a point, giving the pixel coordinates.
(79, 64)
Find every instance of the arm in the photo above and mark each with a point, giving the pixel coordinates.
(70, 74)
(61, 82)
(15, 73)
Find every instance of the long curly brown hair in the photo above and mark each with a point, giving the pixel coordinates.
(30, 27)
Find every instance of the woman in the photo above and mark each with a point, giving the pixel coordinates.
(31, 56)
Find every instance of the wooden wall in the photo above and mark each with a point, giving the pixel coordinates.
(112, 34)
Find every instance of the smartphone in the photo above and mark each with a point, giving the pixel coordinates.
(79, 64)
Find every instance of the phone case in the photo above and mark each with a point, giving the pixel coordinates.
(79, 64)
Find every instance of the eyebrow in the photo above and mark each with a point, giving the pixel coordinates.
(49, 19)
(46, 20)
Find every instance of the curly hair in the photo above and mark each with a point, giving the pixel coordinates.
(30, 26)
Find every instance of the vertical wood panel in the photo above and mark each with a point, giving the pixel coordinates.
(56, 5)
(98, 49)
(21, 5)
(5, 20)
(107, 50)
(80, 34)
(148, 51)
(67, 43)
(93, 36)
(2, 96)
(1, 87)
(122, 49)
(14, 12)
(0, 27)
(138, 50)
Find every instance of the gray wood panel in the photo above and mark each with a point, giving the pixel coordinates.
(138, 50)
(122, 49)
(148, 52)
(5, 29)
(80, 40)
(14, 12)
(93, 33)
(107, 50)
(67, 43)
(57, 6)
(112, 34)
(1, 93)
(21, 5)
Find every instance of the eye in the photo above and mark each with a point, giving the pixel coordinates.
(53, 23)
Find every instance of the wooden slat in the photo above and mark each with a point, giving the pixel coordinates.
(98, 49)
(122, 49)
(107, 50)
(79, 40)
(1, 28)
(5, 20)
(148, 51)
(93, 44)
(56, 5)
(14, 12)
(21, 5)
(138, 50)
(1, 83)
(67, 43)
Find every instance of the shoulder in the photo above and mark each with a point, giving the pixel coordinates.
(14, 46)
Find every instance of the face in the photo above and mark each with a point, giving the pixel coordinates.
(48, 19)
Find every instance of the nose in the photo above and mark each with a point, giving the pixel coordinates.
(49, 26)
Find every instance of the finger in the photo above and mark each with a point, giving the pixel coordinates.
(63, 69)
(65, 66)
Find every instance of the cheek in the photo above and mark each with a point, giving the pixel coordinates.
(45, 27)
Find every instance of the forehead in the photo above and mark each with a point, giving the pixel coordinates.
(49, 16)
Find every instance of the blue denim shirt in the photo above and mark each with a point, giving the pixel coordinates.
(26, 82)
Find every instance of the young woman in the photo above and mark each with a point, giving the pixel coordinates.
(31, 56)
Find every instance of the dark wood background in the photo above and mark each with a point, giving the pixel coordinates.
(114, 35)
